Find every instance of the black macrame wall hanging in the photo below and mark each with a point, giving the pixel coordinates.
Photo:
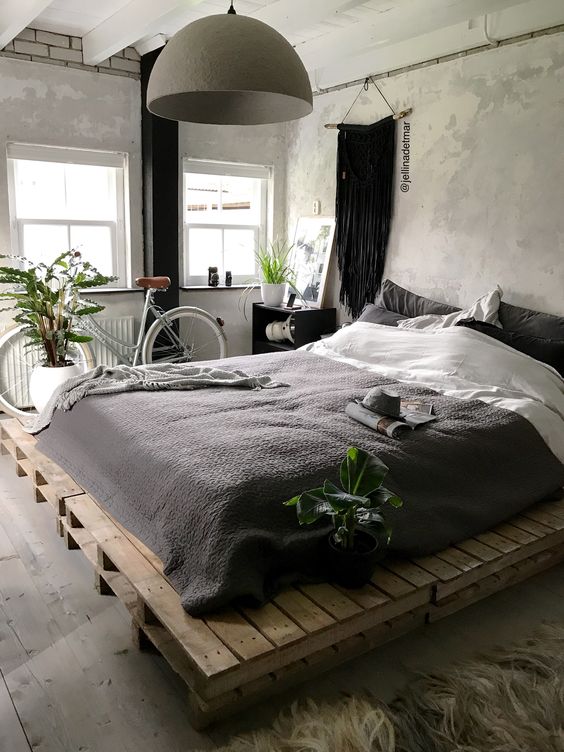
(365, 173)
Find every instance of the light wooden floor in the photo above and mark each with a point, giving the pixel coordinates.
(70, 680)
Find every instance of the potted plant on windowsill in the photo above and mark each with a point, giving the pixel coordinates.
(361, 535)
(275, 274)
(48, 304)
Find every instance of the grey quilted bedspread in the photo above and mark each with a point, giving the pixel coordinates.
(200, 476)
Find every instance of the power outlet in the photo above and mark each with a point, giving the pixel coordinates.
(316, 208)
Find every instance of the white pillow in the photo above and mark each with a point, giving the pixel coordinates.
(484, 309)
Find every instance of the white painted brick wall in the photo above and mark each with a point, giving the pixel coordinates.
(31, 48)
(63, 54)
(59, 49)
(48, 37)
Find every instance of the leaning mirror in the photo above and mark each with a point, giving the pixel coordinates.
(313, 242)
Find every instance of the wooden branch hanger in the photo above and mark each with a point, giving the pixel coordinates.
(364, 87)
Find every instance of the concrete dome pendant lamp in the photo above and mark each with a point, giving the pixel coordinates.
(231, 70)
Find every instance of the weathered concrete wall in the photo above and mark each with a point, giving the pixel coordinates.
(264, 145)
(485, 204)
(56, 106)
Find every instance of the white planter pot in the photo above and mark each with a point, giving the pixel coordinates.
(44, 380)
(272, 295)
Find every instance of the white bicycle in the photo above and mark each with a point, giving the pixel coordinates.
(181, 335)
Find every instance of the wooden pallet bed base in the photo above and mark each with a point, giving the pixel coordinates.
(236, 657)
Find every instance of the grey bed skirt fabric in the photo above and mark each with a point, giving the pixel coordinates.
(200, 477)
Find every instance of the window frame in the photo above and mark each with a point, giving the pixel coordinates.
(119, 229)
(264, 173)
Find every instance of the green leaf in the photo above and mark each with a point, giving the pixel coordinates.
(341, 501)
(384, 496)
(73, 337)
(361, 472)
(367, 516)
(292, 502)
(88, 310)
(311, 506)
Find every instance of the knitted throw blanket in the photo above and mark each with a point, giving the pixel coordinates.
(159, 377)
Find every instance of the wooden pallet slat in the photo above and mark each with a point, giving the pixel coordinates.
(274, 624)
(497, 542)
(539, 514)
(368, 596)
(515, 534)
(498, 581)
(410, 572)
(335, 602)
(531, 526)
(240, 636)
(441, 568)
(304, 612)
(391, 583)
(460, 559)
(479, 550)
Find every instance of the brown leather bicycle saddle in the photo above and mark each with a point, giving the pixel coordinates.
(153, 283)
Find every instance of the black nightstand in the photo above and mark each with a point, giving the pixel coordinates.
(310, 324)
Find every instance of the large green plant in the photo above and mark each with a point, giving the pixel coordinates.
(48, 303)
(359, 501)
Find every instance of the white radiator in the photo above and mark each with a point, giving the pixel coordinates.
(123, 328)
(16, 367)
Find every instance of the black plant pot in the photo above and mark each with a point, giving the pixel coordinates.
(354, 568)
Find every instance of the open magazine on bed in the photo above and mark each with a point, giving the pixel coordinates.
(413, 413)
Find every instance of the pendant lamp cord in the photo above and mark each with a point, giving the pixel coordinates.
(232, 10)
(367, 81)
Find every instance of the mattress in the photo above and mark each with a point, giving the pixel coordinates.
(201, 477)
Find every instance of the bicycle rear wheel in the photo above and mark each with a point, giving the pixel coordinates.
(16, 365)
(186, 334)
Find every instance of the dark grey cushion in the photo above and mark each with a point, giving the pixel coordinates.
(533, 323)
(546, 350)
(376, 314)
(408, 304)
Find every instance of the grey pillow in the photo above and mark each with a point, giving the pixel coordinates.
(533, 323)
(408, 304)
(376, 314)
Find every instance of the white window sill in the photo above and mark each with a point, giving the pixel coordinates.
(218, 287)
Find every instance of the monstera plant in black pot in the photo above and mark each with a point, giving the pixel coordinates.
(360, 535)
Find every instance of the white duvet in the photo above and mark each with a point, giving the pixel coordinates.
(458, 362)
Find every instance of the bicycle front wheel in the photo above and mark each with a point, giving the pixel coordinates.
(17, 362)
(184, 335)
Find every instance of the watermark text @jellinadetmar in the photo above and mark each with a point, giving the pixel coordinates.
(405, 180)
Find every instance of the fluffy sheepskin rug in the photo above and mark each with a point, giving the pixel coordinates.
(509, 701)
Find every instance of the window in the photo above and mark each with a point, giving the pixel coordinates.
(225, 211)
(69, 198)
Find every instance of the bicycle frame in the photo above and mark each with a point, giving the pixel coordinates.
(132, 357)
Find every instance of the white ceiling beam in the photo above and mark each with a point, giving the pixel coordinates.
(439, 43)
(15, 15)
(288, 16)
(150, 44)
(138, 19)
(514, 21)
(395, 26)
